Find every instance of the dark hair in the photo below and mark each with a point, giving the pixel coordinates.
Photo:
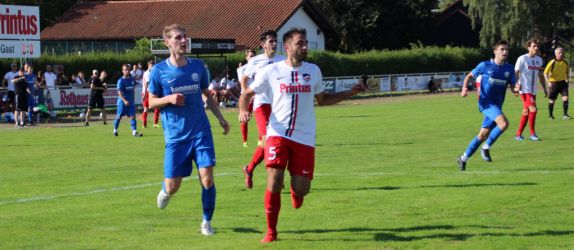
(263, 36)
(295, 30)
(499, 43)
(531, 41)
(247, 51)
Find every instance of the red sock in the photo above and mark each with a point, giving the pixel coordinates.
(296, 201)
(244, 130)
(155, 116)
(257, 158)
(523, 120)
(532, 120)
(144, 118)
(272, 207)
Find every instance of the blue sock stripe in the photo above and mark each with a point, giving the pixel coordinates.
(494, 134)
(208, 201)
(116, 123)
(472, 147)
(133, 123)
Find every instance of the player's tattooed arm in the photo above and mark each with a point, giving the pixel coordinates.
(331, 99)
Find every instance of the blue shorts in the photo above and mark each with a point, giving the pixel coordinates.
(126, 110)
(179, 156)
(490, 113)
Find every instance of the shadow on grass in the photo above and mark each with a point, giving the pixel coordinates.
(391, 234)
(390, 188)
(246, 230)
(462, 237)
(479, 185)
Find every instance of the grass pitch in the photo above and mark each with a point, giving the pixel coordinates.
(386, 178)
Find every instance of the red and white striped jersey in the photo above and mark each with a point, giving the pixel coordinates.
(292, 94)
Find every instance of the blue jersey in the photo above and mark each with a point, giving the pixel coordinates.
(494, 82)
(31, 80)
(181, 123)
(126, 86)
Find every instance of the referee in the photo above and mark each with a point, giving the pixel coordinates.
(557, 74)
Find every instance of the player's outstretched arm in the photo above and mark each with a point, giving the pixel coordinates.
(213, 106)
(331, 99)
(244, 114)
(464, 90)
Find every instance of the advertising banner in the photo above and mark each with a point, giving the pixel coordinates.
(78, 98)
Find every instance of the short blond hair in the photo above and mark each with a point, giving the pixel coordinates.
(168, 29)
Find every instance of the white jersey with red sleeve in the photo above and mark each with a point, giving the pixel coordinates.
(292, 92)
(529, 68)
(253, 67)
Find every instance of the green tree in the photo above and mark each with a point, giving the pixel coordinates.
(378, 24)
(517, 21)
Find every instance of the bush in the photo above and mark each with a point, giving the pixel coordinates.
(415, 60)
(109, 61)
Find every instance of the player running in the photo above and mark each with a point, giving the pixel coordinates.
(260, 105)
(496, 74)
(529, 68)
(176, 87)
(250, 53)
(126, 104)
(293, 85)
(145, 98)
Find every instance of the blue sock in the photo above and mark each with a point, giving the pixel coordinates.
(208, 200)
(133, 123)
(163, 186)
(30, 113)
(472, 147)
(494, 134)
(117, 123)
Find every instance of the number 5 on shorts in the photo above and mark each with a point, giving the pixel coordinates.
(272, 153)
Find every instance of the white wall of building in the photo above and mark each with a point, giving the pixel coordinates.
(315, 35)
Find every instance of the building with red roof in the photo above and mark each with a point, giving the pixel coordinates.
(116, 25)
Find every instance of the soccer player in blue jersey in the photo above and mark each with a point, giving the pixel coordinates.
(31, 79)
(176, 86)
(496, 74)
(126, 104)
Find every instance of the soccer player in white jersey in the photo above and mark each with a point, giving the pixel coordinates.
(250, 53)
(260, 104)
(145, 98)
(293, 85)
(529, 69)
(176, 87)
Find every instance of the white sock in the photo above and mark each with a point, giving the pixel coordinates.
(463, 157)
(485, 146)
(206, 222)
(115, 130)
(134, 132)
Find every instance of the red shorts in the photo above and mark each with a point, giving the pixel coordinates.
(283, 153)
(145, 99)
(262, 114)
(528, 100)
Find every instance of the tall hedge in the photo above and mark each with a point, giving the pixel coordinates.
(415, 60)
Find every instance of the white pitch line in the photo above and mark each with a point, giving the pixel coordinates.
(97, 191)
